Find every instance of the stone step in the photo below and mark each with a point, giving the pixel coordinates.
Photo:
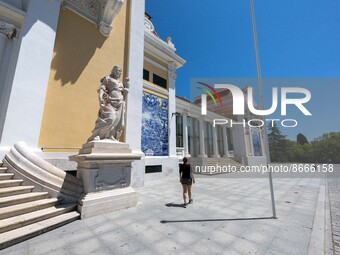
(11, 191)
(14, 210)
(6, 176)
(3, 169)
(21, 234)
(22, 198)
(10, 183)
(33, 217)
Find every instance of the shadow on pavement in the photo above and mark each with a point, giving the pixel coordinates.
(207, 220)
(173, 205)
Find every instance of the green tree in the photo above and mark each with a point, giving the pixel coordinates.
(278, 144)
(301, 139)
(326, 149)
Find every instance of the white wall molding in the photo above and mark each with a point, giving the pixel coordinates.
(11, 14)
(155, 63)
(161, 49)
(155, 89)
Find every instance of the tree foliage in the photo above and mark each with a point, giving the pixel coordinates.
(301, 139)
(277, 143)
(325, 149)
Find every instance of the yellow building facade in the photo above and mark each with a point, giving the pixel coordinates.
(79, 60)
(58, 53)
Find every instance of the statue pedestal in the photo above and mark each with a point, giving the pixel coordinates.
(105, 169)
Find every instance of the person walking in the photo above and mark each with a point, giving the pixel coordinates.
(186, 178)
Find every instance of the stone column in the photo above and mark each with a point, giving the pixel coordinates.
(9, 47)
(172, 108)
(202, 145)
(133, 130)
(250, 142)
(195, 145)
(27, 94)
(215, 144)
(225, 142)
(185, 135)
(240, 142)
(263, 145)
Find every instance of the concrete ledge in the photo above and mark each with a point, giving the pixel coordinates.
(106, 201)
(318, 240)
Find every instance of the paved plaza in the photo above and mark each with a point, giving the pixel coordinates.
(334, 197)
(228, 216)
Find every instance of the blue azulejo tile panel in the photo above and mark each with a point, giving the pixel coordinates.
(155, 125)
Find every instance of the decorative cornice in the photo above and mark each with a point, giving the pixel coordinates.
(90, 7)
(172, 67)
(111, 10)
(99, 12)
(148, 25)
(11, 14)
(7, 30)
(155, 64)
(161, 49)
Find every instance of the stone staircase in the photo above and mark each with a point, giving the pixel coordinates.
(25, 213)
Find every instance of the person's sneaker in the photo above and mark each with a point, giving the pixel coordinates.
(191, 201)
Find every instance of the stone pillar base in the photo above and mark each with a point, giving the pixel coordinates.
(97, 203)
(215, 156)
(105, 170)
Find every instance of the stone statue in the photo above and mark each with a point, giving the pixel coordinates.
(112, 100)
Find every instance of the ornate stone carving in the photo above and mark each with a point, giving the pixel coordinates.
(172, 67)
(100, 12)
(112, 99)
(90, 7)
(107, 179)
(111, 8)
(7, 30)
(170, 43)
(148, 25)
(105, 169)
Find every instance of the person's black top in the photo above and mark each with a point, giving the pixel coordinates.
(185, 169)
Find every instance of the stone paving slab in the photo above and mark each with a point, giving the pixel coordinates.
(228, 216)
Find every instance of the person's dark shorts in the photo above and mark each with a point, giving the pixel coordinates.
(187, 181)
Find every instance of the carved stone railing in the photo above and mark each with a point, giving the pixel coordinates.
(42, 175)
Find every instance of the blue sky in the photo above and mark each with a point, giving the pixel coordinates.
(297, 39)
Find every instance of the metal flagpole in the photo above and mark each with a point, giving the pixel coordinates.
(259, 80)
